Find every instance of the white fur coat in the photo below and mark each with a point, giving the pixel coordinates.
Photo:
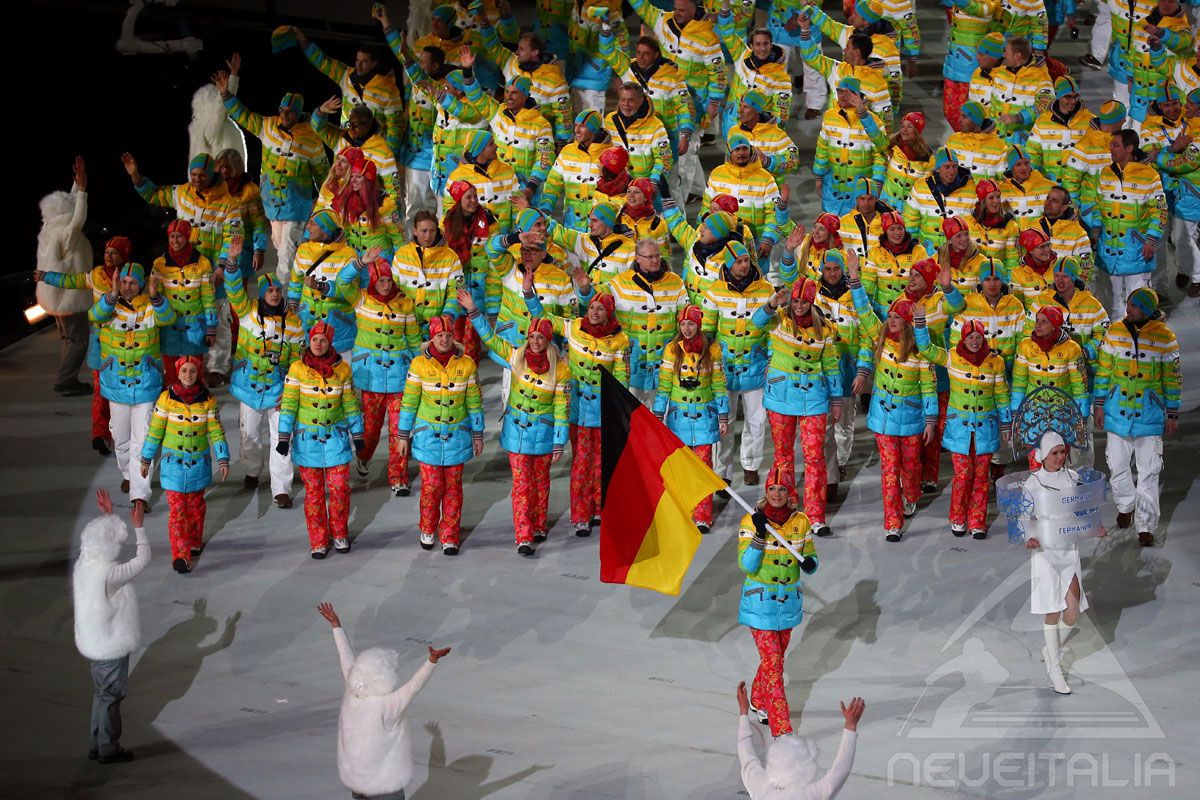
(62, 247)
(210, 130)
(106, 625)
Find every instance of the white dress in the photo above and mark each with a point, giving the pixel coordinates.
(1052, 569)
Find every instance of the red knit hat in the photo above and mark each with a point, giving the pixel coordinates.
(986, 187)
(1053, 314)
(927, 268)
(804, 289)
(692, 312)
(726, 202)
(615, 159)
(973, 326)
(890, 218)
(458, 189)
(379, 268)
(952, 226)
(1032, 238)
(193, 360)
(606, 300)
(540, 325)
(365, 168)
(440, 324)
(180, 226)
(122, 245)
(321, 328)
(779, 476)
(829, 222)
(645, 186)
(354, 155)
(903, 308)
(916, 119)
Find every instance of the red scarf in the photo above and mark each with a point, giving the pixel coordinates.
(1040, 269)
(777, 515)
(908, 293)
(896, 249)
(692, 345)
(991, 220)
(476, 227)
(322, 365)
(439, 356)
(804, 320)
(188, 394)
(908, 151)
(956, 258)
(1047, 342)
(181, 258)
(644, 211)
(615, 185)
(539, 363)
(381, 297)
(974, 358)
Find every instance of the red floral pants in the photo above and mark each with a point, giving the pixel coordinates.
(900, 463)
(99, 411)
(185, 522)
(169, 374)
(812, 444)
(585, 474)
(954, 94)
(376, 408)
(441, 502)
(969, 492)
(464, 333)
(326, 520)
(931, 454)
(703, 515)
(766, 692)
(530, 494)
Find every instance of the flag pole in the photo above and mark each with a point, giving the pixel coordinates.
(770, 528)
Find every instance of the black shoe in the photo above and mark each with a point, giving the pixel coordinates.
(595, 523)
(703, 528)
(100, 445)
(341, 545)
(539, 536)
(180, 565)
(125, 487)
(250, 483)
(449, 550)
(1182, 281)
(821, 529)
(319, 553)
(1091, 62)
(525, 550)
(583, 530)
(197, 550)
(118, 756)
(892, 536)
(928, 486)
(401, 490)
(979, 535)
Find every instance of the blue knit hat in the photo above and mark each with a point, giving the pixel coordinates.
(268, 281)
(294, 101)
(1194, 97)
(733, 251)
(1111, 112)
(869, 10)
(326, 221)
(1170, 92)
(850, 84)
(446, 13)
(944, 155)
(755, 99)
(1069, 265)
(1064, 86)
(1145, 300)
(990, 268)
(737, 138)
(478, 140)
(992, 45)
(527, 218)
(864, 186)
(606, 213)
(1015, 154)
(522, 84)
(205, 162)
(135, 271)
(836, 256)
(720, 223)
(590, 120)
(974, 111)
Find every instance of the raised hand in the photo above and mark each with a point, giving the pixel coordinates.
(301, 39)
(466, 57)
(742, 698)
(437, 655)
(372, 255)
(80, 170)
(222, 469)
(234, 62)
(331, 106)
(852, 264)
(220, 79)
(104, 501)
(853, 713)
(520, 201)
(326, 611)
(796, 237)
(379, 12)
(235, 248)
(131, 166)
(152, 286)
(465, 300)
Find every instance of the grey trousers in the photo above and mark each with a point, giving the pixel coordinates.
(73, 331)
(111, 679)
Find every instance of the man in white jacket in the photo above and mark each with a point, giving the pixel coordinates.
(790, 772)
(374, 754)
(106, 619)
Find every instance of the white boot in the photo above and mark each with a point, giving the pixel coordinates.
(1053, 668)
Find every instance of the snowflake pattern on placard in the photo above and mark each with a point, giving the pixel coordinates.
(1044, 409)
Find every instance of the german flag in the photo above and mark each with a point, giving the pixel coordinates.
(647, 537)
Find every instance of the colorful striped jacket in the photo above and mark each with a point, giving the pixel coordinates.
(772, 598)
(456, 120)
(319, 416)
(874, 86)
(899, 175)
(701, 263)
(573, 178)
(380, 93)
(1026, 92)
(651, 227)
(549, 85)
(1026, 200)
(186, 434)
(1027, 283)
(999, 242)
(1004, 322)
(387, 337)
(385, 234)
(648, 313)
(839, 311)
(324, 261)
(803, 369)
(771, 77)
(524, 139)
(189, 290)
(1089, 155)
(846, 151)
(645, 140)
(1138, 378)
(663, 83)
(903, 16)
(1063, 367)
(982, 152)
(100, 281)
(538, 404)
(374, 147)
(430, 277)
(1128, 207)
(1067, 238)
(756, 192)
(929, 204)
(266, 347)
(442, 409)
(979, 402)
(1054, 136)
(694, 48)
(554, 289)
(885, 274)
(213, 216)
(1183, 172)
(883, 50)
(1084, 318)
(601, 258)
(970, 21)
(293, 162)
(586, 354)
(858, 233)
(728, 317)
(692, 397)
(904, 398)
(130, 372)
(781, 152)
(496, 184)
(1024, 18)
(420, 111)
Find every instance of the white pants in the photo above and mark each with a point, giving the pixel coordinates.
(691, 174)
(1102, 31)
(284, 236)
(839, 436)
(128, 426)
(217, 359)
(754, 432)
(1084, 457)
(644, 396)
(418, 195)
(1187, 253)
(1141, 497)
(250, 422)
(1121, 95)
(1122, 287)
(589, 99)
(816, 90)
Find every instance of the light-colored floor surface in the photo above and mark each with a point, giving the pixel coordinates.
(562, 687)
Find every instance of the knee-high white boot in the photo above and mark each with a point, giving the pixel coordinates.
(1051, 656)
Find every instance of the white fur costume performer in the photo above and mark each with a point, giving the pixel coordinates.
(106, 622)
(210, 130)
(1052, 569)
(62, 247)
(374, 752)
(790, 772)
